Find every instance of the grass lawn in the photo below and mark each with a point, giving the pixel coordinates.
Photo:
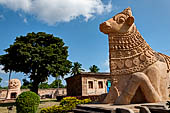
(43, 103)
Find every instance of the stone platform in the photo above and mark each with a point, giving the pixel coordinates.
(132, 108)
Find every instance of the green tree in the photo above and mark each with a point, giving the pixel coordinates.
(44, 85)
(76, 68)
(94, 69)
(57, 84)
(26, 84)
(38, 55)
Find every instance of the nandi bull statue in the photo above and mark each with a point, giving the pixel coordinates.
(139, 74)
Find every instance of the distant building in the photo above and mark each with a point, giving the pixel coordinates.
(44, 93)
(14, 91)
(87, 83)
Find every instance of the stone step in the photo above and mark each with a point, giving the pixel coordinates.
(158, 108)
(136, 110)
(106, 108)
(95, 109)
(84, 111)
(159, 111)
(87, 109)
(100, 110)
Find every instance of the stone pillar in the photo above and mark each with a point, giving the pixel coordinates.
(14, 88)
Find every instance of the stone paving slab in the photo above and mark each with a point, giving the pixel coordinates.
(129, 106)
(134, 107)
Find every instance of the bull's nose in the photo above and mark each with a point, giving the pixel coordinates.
(104, 23)
(107, 24)
(104, 26)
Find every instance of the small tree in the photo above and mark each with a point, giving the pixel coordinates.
(38, 55)
(94, 69)
(76, 68)
(27, 102)
(44, 85)
(56, 84)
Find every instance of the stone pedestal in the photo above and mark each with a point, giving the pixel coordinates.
(14, 89)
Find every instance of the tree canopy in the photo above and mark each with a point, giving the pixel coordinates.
(94, 69)
(57, 84)
(44, 85)
(26, 84)
(38, 55)
(76, 68)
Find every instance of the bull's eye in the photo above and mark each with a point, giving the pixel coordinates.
(120, 20)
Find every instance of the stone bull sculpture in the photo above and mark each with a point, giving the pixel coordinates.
(139, 73)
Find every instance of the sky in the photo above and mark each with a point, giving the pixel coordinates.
(77, 23)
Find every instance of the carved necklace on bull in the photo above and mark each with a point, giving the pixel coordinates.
(129, 52)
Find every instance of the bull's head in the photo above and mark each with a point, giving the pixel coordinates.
(120, 23)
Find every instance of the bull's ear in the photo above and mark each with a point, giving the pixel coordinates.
(130, 20)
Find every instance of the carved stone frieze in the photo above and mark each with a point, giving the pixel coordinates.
(129, 53)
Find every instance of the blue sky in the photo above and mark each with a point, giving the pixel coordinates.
(77, 23)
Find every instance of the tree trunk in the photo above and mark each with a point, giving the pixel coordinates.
(34, 87)
(8, 84)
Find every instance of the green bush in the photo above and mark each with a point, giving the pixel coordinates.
(27, 102)
(66, 104)
(55, 109)
(70, 102)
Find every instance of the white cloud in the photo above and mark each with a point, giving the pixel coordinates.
(106, 65)
(4, 83)
(52, 11)
(25, 20)
(20, 15)
(108, 70)
(109, 7)
(86, 70)
(1, 71)
(17, 4)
